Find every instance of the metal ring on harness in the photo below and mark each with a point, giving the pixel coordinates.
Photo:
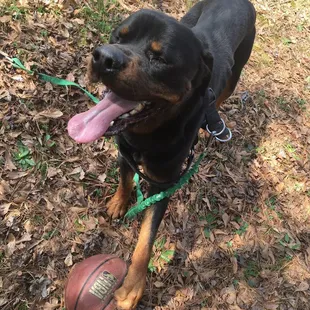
(225, 140)
(214, 133)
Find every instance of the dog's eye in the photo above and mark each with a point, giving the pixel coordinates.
(154, 58)
(114, 39)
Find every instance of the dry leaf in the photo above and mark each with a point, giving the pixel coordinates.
(53, 113)
(206, 200)
(68, 260)
(18, 78)
(90, 224)
(79, 21)
(49, 205)
(10, 247)
(212, 237)
(159, 284)
(4, 208)
(8, 162)
(66, 34)
(102, 177)
(28, 226)
(4, 189)
(229, 294)
(3, 301)
(234, 264)
(225, 218)
(302, 287)
(52, 305)
(271, 306)
(17, 175)
(5, 18)
(207, 275)
(231, 175)
(78, 209)
(51, 172)
(78, 170)
(70, 77)
(24, 238)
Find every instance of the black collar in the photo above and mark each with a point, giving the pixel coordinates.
(134, 166)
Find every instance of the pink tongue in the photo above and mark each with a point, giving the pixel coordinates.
(92, 124)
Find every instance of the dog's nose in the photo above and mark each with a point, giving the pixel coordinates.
(109, 58)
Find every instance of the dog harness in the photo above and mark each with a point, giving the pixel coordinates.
(214, 125)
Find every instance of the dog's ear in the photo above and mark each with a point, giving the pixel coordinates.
(208, 60)
(203, 75)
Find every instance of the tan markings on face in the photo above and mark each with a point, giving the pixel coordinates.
(160, 91)
(131, 71)
(124, 31)
(156, 46)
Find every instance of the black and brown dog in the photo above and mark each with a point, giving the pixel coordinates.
(157, 70)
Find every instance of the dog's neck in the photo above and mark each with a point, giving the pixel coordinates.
(171, 131)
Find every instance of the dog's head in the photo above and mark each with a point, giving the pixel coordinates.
(151, 57)
(152, 63)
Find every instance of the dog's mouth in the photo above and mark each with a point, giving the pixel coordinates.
(110, 116)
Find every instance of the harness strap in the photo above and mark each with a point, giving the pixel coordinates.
(131, 162)
(213, 123)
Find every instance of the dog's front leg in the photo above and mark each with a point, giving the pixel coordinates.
(130, 293)
(117, 206)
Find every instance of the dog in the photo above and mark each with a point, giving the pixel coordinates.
(157, 71)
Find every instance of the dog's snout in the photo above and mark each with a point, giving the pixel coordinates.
(109, 58)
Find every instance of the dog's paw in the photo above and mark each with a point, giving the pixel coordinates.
(117, 206)
(128, 296)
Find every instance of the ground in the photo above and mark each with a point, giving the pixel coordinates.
(237, 237)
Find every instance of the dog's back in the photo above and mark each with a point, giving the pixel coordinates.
(223, 26)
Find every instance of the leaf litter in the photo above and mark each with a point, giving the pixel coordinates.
(237, 237)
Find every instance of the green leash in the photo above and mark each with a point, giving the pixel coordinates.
(141, 204)
(54, 80)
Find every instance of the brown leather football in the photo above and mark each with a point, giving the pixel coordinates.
(92, 282)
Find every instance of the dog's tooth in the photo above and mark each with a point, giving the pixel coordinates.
(139, 107)
(112, 123)
(124, 115)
